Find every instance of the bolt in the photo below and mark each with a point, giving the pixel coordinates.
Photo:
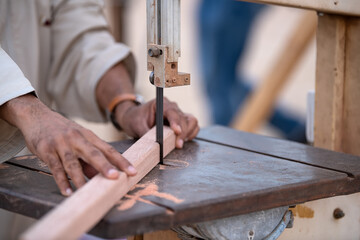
(251, 235)
(338, 213)
(151, 78)
(154, 52)
(291, 222)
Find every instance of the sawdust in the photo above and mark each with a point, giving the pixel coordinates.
(173, 164)
(303, 211)
(42, 164)
(3, 166)
(25, 157)
(147, 190)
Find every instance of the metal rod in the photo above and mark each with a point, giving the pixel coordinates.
(158, 3)
(159, 93)
(160, 119)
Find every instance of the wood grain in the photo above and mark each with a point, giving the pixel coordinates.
(337, 96)
(80, 212)
(256, 169)
(351, 126)
(330, 77)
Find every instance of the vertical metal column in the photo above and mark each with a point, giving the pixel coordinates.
(159, 93)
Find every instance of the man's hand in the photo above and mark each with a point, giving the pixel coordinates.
(62, 144)
(136, 120)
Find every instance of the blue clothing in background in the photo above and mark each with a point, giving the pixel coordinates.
(224, 28)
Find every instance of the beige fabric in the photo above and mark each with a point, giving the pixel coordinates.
(63, 61)
(12, 84)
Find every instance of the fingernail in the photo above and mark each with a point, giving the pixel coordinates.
(68, 191)
(112, 172)
(131, 170)
(178, 128)
(180, 143)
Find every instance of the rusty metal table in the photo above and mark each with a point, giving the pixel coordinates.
(221, 173)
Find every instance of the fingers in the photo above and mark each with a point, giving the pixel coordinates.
(111, 154)
(59, 175)
(61, 143)
(193, 127)
(185, 126)
(88, 170)
(54, 163)
(71, 164)
(64, 153)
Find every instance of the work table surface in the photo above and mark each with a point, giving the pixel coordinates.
(221, 173)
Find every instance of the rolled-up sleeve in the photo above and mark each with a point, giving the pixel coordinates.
(83, 50)
(12, 84)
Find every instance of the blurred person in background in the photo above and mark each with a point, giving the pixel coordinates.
(225, 27)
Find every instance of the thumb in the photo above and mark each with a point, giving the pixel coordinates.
(143, 128)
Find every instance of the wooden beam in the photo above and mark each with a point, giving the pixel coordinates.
(341, 7)
(260, 104)
(330, 77)
(78, 213)
(337, 95)
(351, 109)
(337, 124)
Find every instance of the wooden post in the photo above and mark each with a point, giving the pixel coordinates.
(337, 123)
(337, 95)
(78, 213)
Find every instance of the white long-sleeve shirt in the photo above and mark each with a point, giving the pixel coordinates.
(62, 61)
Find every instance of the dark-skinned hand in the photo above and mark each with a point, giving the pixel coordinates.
(136, 120)
(62, 144)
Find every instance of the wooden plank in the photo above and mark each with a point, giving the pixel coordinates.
(250, 178)
(27, 192)
(330, 77)
(337, 112)
(260, 104)
(78, 213)
(183, 183)
(337, 125)
(351, 118)
(280, 148)
(189, 174)
(161, 235)
(115, 225)
(33, 163)
(341, 7)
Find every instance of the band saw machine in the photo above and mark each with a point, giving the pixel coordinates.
(231, 183)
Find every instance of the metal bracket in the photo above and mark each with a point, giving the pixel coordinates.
(163, 38)
(165, 73)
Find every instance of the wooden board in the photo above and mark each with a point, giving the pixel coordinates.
(341, 7)
(190, 186)
(337, 125)
(337, 112)
(82, 210)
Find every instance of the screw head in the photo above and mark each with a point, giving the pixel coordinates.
(154, 52)
(151, 78)
(338, 213)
